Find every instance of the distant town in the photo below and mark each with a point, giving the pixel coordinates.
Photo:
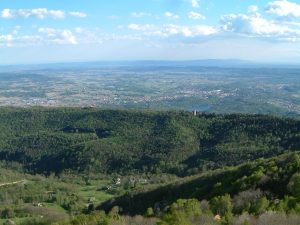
(187, 88)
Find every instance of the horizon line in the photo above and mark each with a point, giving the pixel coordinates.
(233, 61)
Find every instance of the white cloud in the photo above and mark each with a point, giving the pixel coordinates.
(196, 16)
(251, 24)
(53, 36)
(57, 14)
(78, 14)
(16, 40)
(6, 40)
(50, 32)
(252, 9)
(27, 40)
(171, 15)
(7, 14)
(141, 27)
(58, 36)
(169, 30)
(39, 13)
(284, 8)
(140, 14)
(195, 3)
(79, 30)
(68, 37)
(256, 26)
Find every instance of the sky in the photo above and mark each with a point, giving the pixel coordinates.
(43, 31)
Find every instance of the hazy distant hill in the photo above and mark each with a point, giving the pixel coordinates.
(165, 63)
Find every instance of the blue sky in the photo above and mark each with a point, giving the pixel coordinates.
(38, 31)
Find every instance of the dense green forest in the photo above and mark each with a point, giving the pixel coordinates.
(87, 166)
(108, 141)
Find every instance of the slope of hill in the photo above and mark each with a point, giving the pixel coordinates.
(94, 140)
(265, 191)
(126, 162)
(274, 179)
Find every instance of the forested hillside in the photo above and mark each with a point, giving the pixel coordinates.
(262, 192)
(272, 179)
(63, 165)
(94, 140)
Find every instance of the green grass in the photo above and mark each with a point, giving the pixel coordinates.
(92, 191)
(18, 220)
(54, 206)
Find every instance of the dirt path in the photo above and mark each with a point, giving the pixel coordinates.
(12, 183)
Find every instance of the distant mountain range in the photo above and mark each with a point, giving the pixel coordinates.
(157, 63)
